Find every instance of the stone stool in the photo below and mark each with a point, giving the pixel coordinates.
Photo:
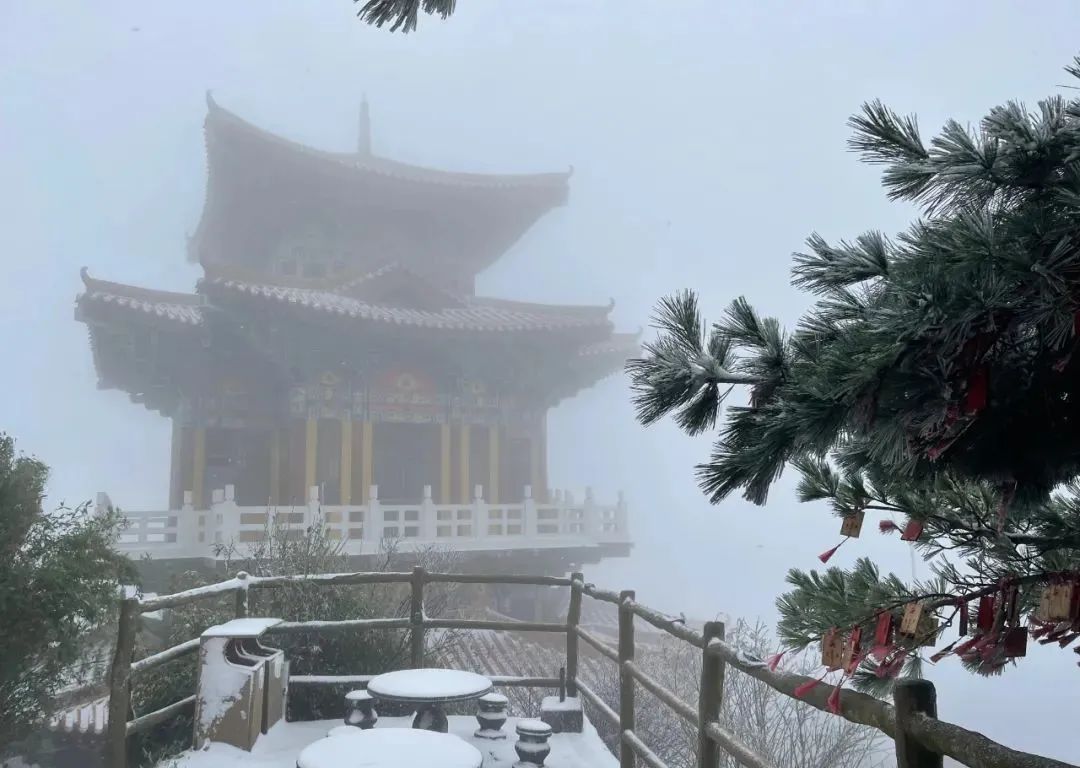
(360, 710)
(532, 745)
(491, 716)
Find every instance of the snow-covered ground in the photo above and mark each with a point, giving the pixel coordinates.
(281, 746)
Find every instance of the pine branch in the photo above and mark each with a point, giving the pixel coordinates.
(402, 14)
(682, 372)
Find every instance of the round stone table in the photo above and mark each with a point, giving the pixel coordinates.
(428, 690)
(390, 748)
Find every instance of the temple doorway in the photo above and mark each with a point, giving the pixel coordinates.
(405, 458)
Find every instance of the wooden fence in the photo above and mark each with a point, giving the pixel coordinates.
(921, 739)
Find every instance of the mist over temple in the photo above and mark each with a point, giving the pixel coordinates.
(336, 358)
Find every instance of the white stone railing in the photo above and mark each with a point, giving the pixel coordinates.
(364, 528)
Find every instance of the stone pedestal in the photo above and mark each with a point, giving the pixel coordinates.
(491, 715)
(563, 716)
(360, 710)
(532, 745)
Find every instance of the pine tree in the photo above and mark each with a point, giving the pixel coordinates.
(933, 382)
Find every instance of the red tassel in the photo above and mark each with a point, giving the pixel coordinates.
(966, 646)
(1042, 629)
(879, 652)
(942, 653)
(984, 618)
(976, 397)
(853, 651)
(883, 631)
(774, 661)
(887, 526)
(833, 702)
(891, 668)
(806, 687)
(827, 554)
(912, 531)
(964, 617)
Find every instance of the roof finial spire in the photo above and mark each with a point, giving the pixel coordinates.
(363, 145)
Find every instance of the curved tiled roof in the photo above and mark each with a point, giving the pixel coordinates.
(219, 118)
(477, 314)
(185, 308)
(619, 343)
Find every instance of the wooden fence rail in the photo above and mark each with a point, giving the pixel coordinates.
(921, 739)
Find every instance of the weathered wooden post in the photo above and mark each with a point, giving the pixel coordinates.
(626, 679)
(416, 618)
(242, 596)
(120, 684)
(710, 696)
(912, 697)
(573, 618)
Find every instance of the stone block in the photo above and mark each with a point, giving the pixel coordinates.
(563, 716)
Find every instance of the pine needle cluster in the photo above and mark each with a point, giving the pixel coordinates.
(935, 378)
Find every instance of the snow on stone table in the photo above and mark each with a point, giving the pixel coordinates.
(281, 747)
(390, 748)
(428, 690)
(410, 686)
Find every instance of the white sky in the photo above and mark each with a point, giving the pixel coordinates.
(707, 142)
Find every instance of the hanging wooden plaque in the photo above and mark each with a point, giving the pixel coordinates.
(909, 624)
(832, 649)
(852, 525)
(912, 531)
(1060, 601)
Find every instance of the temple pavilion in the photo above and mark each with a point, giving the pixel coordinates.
(336, 346)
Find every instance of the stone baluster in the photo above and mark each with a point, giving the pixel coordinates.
(622, 517)
(590, 522)
(226, 517)
(532, 745)
(373, 520)
(479, 512)
(311, 514)
(491, 716)
(528, 512)
(428, 515)
(360, 710)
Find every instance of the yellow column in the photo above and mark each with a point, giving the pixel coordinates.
(492, 493)
(463, 464)
(198, 466)
(311, 446)
(367, 441)
(176, 467)
(275, 466)
(445, 478)
(346, 460)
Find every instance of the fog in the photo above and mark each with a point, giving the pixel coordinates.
(707, 141)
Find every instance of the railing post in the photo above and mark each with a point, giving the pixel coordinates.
(373, 519)
(528, 512)
(914, 697)
(710, 696)
(120, 684)
(242, 596)
(626, 680)
(479, 513)
(416, 619)
(573, 618)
